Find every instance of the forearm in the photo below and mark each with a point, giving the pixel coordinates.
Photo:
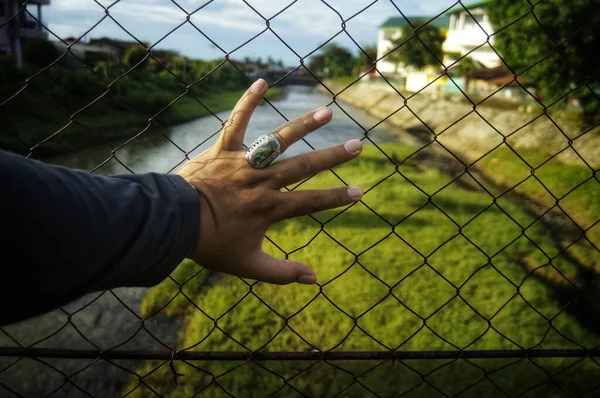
(69, 233)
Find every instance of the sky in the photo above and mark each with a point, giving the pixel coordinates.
(304, 26)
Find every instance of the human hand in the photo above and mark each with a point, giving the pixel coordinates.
(239, 203)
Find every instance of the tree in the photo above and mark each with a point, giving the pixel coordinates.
(179, 66)
(465, 66)
(101, 69)
(365, 61)
(527, 42)
(333, 61)
(135, 55)
(39, 52)
(317, 64)
(418, 53)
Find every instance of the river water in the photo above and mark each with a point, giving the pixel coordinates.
(105, 321)
(153, 152)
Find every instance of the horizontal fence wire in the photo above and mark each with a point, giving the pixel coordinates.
(541, 262)
(66, 353)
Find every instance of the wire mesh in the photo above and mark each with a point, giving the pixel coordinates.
(399, 312)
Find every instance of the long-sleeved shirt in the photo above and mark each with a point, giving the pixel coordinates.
(65, 233)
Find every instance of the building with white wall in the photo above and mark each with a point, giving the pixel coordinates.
(468, 31)
(18, 25)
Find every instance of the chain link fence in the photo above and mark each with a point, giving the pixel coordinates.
(469, 268)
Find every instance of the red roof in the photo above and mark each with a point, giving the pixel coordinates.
(499, 76)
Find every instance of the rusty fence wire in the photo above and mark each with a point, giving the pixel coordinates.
(493, 362)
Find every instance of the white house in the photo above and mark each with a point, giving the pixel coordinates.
(467, 32)
(22, 26)
(391, 30)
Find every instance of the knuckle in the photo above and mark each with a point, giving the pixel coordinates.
(304, 163)
(248, 178)
(233, 123)
(339, 152)
(309, 122)
(282, 141)
(317, 201)
(261, 201)
(342, 196)
(278, 176)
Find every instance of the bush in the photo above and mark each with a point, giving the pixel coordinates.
(148, 101)
(134, 56)
(39, 52)
(9, 75)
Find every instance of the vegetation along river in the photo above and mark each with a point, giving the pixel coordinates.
(105, 322)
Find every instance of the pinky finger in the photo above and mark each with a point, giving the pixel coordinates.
(302, 203)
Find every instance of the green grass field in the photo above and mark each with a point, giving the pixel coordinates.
(576, 186)
(395, 273)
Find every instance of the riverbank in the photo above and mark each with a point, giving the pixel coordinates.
(474, 132)
(348, 281)
(105, 125)
(561, 174)
(377, 281)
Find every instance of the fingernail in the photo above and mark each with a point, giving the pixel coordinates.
(322, 115)
(353, 146)
(355, 193)
(259, 86)
(307, 279)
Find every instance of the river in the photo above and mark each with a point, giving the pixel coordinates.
(106, 322)
(153, 152)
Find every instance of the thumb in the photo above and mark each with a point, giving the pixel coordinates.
(269, 269)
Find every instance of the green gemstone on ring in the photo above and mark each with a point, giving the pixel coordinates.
(263, 151)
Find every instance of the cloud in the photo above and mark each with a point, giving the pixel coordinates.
(63, 30)
(305, 25)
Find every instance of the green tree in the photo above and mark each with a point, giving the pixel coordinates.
(333, 61)
(39, 52)
(135, 55)
(366, 58)
(101, 68)
(465, 66)
(179, 66)
(528, 41)
(418, 53)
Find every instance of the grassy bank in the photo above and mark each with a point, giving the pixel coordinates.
(395, 273)
(30, 119)
(576, 187)
(565, 177)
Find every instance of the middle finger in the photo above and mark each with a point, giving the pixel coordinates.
(296, 129)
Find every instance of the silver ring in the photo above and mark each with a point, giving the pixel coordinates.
(263, 151)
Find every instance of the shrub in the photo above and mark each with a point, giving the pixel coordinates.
(39, 52)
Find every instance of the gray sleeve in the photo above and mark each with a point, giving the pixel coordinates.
(66, 233)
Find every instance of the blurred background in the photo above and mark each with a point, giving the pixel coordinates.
(478, 229)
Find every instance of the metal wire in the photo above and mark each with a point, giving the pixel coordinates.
(335, 360)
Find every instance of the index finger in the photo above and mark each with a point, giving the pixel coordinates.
(232, 136)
